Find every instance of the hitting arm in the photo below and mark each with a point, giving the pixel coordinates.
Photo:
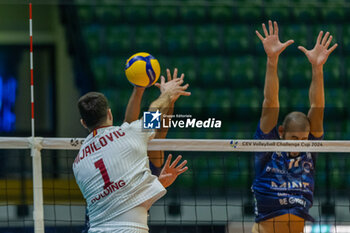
(157, 157)
(133, 109)
(273, 48)
(170, 92)
(164, 131)
(318, 57)
(132, 113)
(161, 133)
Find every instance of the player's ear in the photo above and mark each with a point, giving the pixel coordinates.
(281, 131)
(109, 115)
(82, 122)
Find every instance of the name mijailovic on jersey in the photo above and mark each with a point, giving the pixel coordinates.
(92, 147)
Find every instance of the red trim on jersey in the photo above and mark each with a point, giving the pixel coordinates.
(94, 131)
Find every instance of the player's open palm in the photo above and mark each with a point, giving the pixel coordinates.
(173, 86)
(271, 42)
(319, 54)
(170, 172)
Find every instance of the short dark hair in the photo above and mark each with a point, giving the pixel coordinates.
(93, 107)
(298, 121)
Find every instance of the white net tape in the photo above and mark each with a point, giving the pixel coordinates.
(225, 145)
(200, 145)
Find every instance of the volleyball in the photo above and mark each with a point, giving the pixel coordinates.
(142, 69)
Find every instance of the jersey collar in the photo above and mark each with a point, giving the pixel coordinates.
(95, 131)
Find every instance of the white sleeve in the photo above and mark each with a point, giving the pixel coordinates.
(137, 126)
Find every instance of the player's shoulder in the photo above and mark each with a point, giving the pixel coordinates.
(272, 134)
(136, 128)
(135, 125)
(87, 140)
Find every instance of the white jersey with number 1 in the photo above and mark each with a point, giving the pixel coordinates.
(112, 172)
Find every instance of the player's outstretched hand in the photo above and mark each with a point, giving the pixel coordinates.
(319, 54)
(173, 85)
(272, 44)
(169, 172)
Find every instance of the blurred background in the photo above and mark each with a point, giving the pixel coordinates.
(82, 46)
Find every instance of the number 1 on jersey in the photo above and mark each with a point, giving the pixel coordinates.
(101, 166)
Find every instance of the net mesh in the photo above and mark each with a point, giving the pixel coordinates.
(16, 191)
(214, 195)
(64, 205)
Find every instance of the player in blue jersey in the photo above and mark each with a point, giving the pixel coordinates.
(284, 182)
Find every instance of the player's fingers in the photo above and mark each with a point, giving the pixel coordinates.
(304, 50)
(319, 37)
(275, 27)
(182, 76)
(259, 35)
(329, 41)
(175, 73)
(168, 74)
(324, 40)
(270, 28)
(182, 170)
(168, 160)
(173, 164)
(265, 30)
(185, 87)
(185, 93)
(157, 85)
(182, 165)
(162, 80)
(180, 81)
(332, 48)
(286, 44)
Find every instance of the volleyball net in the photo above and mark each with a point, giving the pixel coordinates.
(38, 188)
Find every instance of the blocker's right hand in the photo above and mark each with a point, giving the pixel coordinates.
(173, 85)
(272, 45)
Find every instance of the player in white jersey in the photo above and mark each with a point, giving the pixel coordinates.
(112, 167)
(131, 114)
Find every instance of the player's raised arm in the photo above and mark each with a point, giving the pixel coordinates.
(318, 57)
(132, 114)
(273, 48)
(163, 132)
(132, 111)
(157, 157)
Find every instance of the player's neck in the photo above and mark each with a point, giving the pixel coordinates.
(101, 126)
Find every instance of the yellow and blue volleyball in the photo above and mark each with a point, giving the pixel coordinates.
(142, 69)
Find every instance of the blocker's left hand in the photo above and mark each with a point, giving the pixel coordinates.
(169, 172)
(319, 54)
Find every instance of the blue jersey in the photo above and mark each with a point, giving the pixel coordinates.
(283, 184)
